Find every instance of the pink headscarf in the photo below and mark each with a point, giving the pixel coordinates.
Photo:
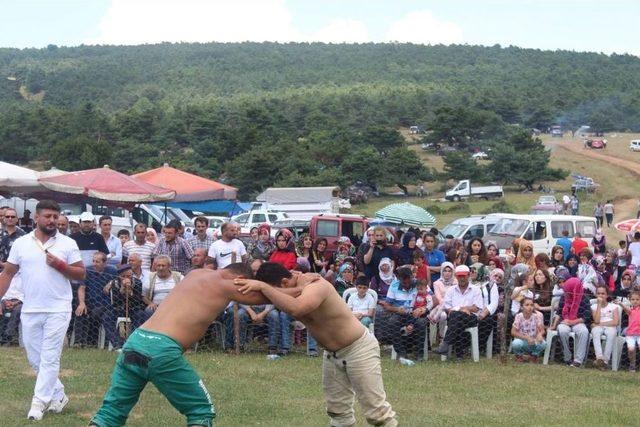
(573, 292)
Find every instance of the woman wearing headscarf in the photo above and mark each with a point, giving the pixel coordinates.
(492, 249)
(572, 265)
(575, 316)
(265, 246)
(383, 280)
(599, 242)
(405, 253)
(152, 236)
(447, 280)
(478, 274)
(627, 283)
(345, 278)
(317, 259)
(586, 273)
(525, 254)
(285, 253)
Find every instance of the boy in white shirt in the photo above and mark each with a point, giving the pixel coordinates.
(362, 304)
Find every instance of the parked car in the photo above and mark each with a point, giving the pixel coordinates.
(547, 200)
(480, 155)
(251, 219)
(634, 145)
(596, 143)
(428, 146)
(556, 131)
(584, 184)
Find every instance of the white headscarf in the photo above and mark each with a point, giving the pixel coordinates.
(389, 277)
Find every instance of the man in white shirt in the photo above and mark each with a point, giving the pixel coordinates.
(113, 243)
(160, 283)
(634, 249)
(462, 303)
(139, 245)
(228, 249)
(47, 261)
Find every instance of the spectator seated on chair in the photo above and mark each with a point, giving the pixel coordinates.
(528, 333)
(490, 299)
(420, 306)
(462, 303)
(362, 304)
(398, 303)
(605, 322)
(161, 282)
(125, 298)
(10, 308)
(93, 302)
(575, 316)
(633, 330)
(257, 315)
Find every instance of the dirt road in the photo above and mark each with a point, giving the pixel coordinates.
(624, 208)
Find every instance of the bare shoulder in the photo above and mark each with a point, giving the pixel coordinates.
(319, 286)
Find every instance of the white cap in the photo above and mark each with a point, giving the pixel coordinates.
(462, 270)
(87, 216)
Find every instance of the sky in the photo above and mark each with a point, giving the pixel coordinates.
(581, 25)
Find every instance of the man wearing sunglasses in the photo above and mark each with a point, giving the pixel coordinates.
(10, 233)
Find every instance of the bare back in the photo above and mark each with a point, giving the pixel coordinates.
(332, 323)
(195, 302)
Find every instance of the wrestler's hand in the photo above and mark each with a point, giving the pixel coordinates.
(248, 285)
(305, 279)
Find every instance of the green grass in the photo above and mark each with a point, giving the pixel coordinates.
(248, 390)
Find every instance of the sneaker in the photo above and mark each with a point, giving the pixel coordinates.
(36, 412)
(58, 405)
(576, 364)
(443, 348)
(272, 357)
(406, 362)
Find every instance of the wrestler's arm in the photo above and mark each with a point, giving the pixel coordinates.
(254, 298)
(310, 298)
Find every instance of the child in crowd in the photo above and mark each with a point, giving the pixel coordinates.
(124, 236)
(622, 260)
(605, 322)
(421, 271)
(633, 330)
(524, 289)
(362, 304)
(528, 333)
(421, 306)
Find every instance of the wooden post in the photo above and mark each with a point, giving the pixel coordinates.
(236, 317)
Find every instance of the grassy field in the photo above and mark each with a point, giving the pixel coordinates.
(248, 390)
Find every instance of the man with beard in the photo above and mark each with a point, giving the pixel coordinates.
(47, 260)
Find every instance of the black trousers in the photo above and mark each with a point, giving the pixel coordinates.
(485, 327)
(415, 340)
(457, 322)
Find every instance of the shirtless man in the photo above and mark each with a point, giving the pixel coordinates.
(351, 362)
(154, 351)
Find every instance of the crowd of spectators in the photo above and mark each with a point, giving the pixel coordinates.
(415, 291)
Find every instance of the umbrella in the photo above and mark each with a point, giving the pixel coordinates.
(188, 187)
(18, 180)
(406, 213)
(628, 226)
(107, 184)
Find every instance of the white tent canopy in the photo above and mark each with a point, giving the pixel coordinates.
(19, 180)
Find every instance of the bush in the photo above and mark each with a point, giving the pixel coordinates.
(500, 206)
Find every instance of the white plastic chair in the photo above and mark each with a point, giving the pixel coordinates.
(550, 348)
(350, 291)
(475, 344)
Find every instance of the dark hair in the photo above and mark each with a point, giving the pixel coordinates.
(636, 235)
(124, 232)
(482, 255)
(634, 291)
(241, 269)
(542, 260)
(404, 273)
(586, 252)
(272, 273)
(4, 207)
(434, 231)
(104, 218)
(318, 241)
(606, 289)
(209, 261)
(224, 226)
(140, 224)
(174, 223)
(51, 205)
(622, 242)
(565, 232)
(418, 254)
(525, 299)
(361, 280)
(201, 219)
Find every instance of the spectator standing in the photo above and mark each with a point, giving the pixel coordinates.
(9, 235)
(175, 247)
(113, 243)
(634, 249)
(92, 301)
(598, 212)
(565, 243)
(566, 205)
(377, 250)
(140, 246)
(577, 245)
(10, 309)
(462, 303)
(46, 261)
(435, 257)
(2, 209)
(124, 236)
(26, 223)
(609, 210)
(63, 225)
(201, 239)
(228, 248)
(88, 240)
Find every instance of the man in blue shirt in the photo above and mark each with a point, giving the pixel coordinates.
(92, 300)
(433, 256)
(399, 301)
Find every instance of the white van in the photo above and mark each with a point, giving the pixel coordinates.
(634, 145)
(543, 231)
(471, 226)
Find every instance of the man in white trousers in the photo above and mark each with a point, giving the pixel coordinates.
(47, 260)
